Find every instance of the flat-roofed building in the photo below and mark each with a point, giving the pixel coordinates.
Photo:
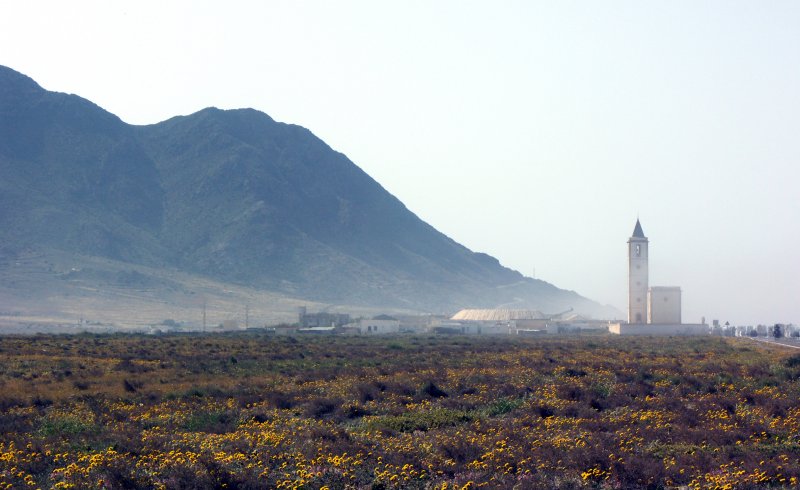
(664, 304)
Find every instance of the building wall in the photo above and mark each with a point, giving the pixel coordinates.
(663, 329)
(637, 280)
(498, 328)
(469, 327)
(532, 324)
(664, 305)
(308, 320)
(372, 327)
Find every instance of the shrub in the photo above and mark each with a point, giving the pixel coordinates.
(131, 386)
(280, 400)
(503, 406)
(793, 361)
(81, 385)
(433, 391)
(367, 392)
(354, 411)
(217, 422)
(544, 411)
(422, 421)
(63, 424)
(320, 407)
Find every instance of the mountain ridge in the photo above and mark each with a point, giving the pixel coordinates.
(236, 196)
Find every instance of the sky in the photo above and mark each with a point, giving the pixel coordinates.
(534, 131)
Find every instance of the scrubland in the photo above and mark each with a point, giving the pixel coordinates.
(256, 411)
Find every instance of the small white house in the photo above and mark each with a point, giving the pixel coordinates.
(380, 325)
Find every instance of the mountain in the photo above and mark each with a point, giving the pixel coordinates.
(231, 196)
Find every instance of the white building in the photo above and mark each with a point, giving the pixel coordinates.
(664, 305)
(651, 310)
(496, 321)
(380, 325)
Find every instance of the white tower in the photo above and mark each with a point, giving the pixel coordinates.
(637, 276)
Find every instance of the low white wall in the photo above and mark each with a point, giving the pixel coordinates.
(659, 329)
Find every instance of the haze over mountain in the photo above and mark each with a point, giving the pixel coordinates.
(232, 196)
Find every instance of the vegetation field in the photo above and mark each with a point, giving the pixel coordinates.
(258, 411)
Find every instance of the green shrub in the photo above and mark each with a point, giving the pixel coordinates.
(503, 406)
(64, 425)
(424, 421)
(218, 422)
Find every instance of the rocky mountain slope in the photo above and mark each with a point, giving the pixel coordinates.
(233, 196)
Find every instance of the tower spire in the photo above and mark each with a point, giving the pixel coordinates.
(637, 231)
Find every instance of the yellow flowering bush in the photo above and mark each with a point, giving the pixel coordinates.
(255, 411)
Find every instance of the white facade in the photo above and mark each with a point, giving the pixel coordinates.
(465, 327)
(378, 326)
(499, 328)
(661, 329)
(664, 305)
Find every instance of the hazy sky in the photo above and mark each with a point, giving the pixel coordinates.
(534, 131)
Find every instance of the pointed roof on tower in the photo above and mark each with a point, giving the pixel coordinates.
(637, 231)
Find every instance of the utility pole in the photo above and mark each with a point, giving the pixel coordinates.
(204, 316)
